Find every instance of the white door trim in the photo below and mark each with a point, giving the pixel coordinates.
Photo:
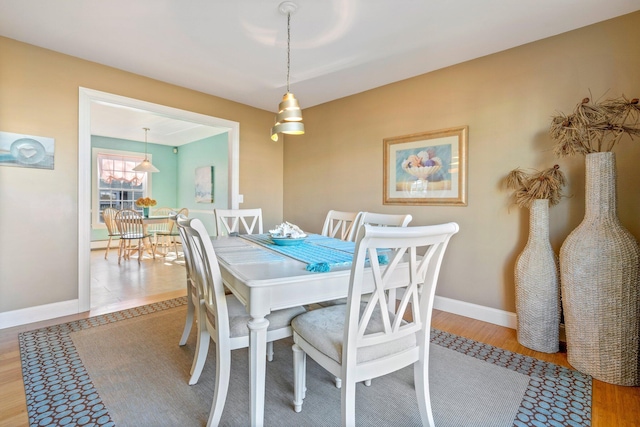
(86, 97)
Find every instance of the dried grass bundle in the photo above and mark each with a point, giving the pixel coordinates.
(529, 186)
(595, 126)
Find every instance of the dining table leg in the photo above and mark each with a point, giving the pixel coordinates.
(257, 367)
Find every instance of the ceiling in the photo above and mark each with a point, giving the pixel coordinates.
(115, 121)
(237, 49)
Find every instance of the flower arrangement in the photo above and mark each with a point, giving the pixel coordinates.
(145, 202)
(595, 126)
(529, 186)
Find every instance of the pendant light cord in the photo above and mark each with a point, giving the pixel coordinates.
(288, 48)
(145, 142)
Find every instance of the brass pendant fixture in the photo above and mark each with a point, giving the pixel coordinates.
(289, 117)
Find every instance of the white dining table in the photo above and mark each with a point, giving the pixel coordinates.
(264, 280)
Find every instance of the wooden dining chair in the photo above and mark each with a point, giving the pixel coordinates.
(159, 230)
(167, 237)
(368, 339)
(109, 217)
(131, 229)
(339, 224)
(225, 318)
(242, 221)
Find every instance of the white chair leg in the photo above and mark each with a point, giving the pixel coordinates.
(270, 351)
(299, 374)
(421, 381)
(189, 320)
(223, 372)
(348, 404)
(202, 349)
(304, 376)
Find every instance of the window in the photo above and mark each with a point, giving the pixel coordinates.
(116, 184)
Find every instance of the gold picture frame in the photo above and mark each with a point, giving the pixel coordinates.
(427, 168)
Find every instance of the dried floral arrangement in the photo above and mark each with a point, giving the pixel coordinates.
(146, 202)
(595, 126)
(533, 185)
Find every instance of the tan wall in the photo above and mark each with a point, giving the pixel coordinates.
(38, 208)
(507, 100)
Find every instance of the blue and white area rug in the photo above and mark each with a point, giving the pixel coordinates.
(126, 368)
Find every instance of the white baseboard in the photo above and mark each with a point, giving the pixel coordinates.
(102, 244)
(478, 312)
(50, 311)
(23, 316)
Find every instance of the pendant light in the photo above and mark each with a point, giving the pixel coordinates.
(146, 165)
(289, 117)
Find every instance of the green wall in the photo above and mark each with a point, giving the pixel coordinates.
(174, 185)
(212, 151)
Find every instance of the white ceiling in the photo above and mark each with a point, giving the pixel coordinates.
(236, 49)
(120, 122)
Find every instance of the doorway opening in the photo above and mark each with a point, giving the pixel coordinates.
(86, 98)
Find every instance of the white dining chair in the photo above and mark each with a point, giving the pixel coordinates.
(373, 218)
(225, 318)
(242, 221)
(362, 340)
(196, 308)
(339, 224)
(195, 300)
(109, 217)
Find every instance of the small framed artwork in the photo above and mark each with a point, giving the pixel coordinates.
(26, 151)
(428, 168)
(204, 184)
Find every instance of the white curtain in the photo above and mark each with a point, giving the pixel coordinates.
(119, 169)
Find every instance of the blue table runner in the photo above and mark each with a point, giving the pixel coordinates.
(320, 253)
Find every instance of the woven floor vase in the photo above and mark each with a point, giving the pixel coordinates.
(537, 288)
(600, 277)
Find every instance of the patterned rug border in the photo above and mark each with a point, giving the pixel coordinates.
(60, 393)
(556, 396)
(58, 389)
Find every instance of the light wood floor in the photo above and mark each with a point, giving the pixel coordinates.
(120, 288)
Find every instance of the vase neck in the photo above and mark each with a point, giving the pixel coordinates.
(600, 185)
(539, 219)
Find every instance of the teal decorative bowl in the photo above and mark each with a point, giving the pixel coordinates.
(287, 241)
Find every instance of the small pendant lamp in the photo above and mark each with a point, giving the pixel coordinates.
(289, 117)
(146, 165)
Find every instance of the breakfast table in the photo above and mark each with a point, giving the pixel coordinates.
(266, 277)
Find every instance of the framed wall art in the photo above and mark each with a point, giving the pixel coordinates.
(26, 151)
(428, 168)
(204, 184)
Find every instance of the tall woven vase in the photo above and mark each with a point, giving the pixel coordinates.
(537, 289)
(599, 270)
